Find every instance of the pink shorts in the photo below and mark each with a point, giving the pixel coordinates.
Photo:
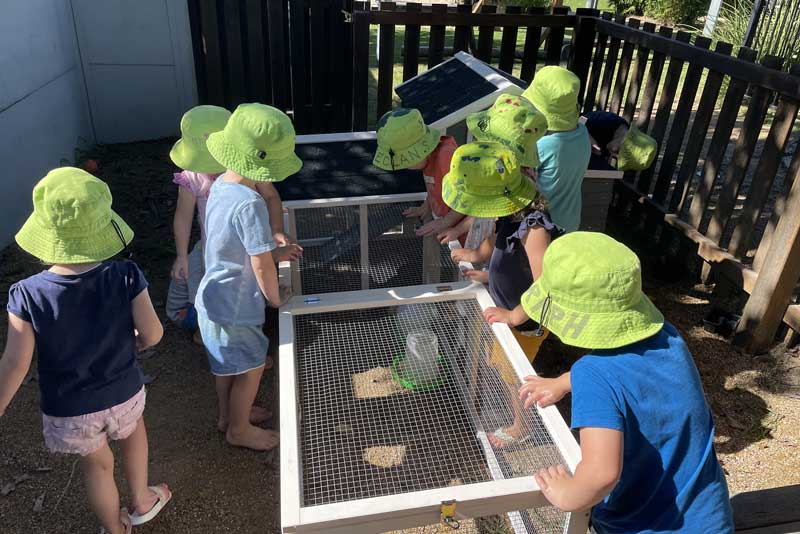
(84, 434)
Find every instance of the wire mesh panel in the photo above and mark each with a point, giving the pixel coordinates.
(371, 427)
(335, 257)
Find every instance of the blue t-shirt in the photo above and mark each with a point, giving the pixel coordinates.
(564, 158)
(85, 337)
(237, 227)
(671, 480)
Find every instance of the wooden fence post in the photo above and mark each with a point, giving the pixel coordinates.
(580, 57)
(385, 64)
(767, 304)
(360, 66)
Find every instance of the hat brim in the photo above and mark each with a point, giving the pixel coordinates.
(528, 159)
(557, 121)
(49, 246)
(267, 170)
(462, 201)
(409, 157)
(189, 158)
(592, 330)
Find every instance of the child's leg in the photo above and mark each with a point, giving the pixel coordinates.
(241, 432)
(98, 471)
(135, 458)
(223, 386)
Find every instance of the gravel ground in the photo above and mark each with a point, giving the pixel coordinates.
(756, 401)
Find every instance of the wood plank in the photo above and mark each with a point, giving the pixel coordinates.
(343, 104)
(773, 80)
(653, 83)
(664, 111)
(436, 41)
(697, 136)
(196, 28)
(785, 528)
(776, 281)
(608, 72)
(623, 71)
(555, 41)
(462, 32)
(443, 17)
(508, 43)
(234, 56)
(530, 52)
(411, 46)
(486, 37)
(590, 98)
(765, 173)
(360, 67)
(385, 64)
(680, 121)
(215, 77)
(742, 153)
(762, 508)
(642, 57)
(320, 88)
(257, 60)
(277, 45)
(719, 143)
(300, 77)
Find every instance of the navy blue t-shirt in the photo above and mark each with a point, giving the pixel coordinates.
(84, 335)
(671, 481)
(602, 126)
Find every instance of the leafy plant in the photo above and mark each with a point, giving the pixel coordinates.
(677, 11)
(529, 3)
(732, 21)
(629, 7)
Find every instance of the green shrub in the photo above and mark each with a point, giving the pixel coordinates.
(732, 21)
(529, 3)
(677, 11)
(629, 7)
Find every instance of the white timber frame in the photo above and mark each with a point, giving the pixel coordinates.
(503, 85)
(419, 508)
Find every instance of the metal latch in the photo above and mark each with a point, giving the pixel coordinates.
(448, 515)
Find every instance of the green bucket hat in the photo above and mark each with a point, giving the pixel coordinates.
(554, 92)
(590, 293)
(403, 140)
(637, 151)
(190, 151)
(72, 220)
(258, 143)
(485, 181)
(514, 122)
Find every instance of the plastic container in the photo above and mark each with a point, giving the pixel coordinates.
(419, 367)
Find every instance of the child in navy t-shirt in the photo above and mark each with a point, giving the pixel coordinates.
(86, 316)
(646, 432)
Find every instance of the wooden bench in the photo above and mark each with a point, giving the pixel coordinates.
(772, 511)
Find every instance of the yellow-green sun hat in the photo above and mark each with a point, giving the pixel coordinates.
(485, 181)
(403, 140)
(258, 143)
(554, 92)
(72, 220)
(637, 151)
(514, 122)
(590, 293)
(190, 151)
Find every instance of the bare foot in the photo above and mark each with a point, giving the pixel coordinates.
(146, 503)
(258, 415)
(252, 437)
(507, 437)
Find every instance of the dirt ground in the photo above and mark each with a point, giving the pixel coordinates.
(756, 401)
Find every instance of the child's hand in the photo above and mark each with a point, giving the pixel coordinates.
(180, 269)
(497, 315)
(283, 239)
(554, 482)
(285, 294)
(464, 254)
(290, 252)
(433, 227)
(418, 212)
(481, 277)
(451, 234)
(542, 391)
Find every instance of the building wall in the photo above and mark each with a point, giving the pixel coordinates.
(44, 115)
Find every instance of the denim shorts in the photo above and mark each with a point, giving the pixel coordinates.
(233, 350)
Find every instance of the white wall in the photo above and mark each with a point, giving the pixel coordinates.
(137, 58)
(43, 109)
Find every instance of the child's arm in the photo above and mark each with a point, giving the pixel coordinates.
(480, 255)
(451, 234)
(595, 476)
(535, 241)
(544, 391)
(182, 231)
(148, 328)
(16, 359)
(420, 212)
(437, 226)
(267, 277)
(275, 208)
(514, 317)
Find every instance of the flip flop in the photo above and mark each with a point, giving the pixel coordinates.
(163, 498)
(508, 440)
(125, 519)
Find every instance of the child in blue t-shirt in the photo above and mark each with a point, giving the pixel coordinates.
(257, 145)
(86, 316)
(565, 150)
(646, 432)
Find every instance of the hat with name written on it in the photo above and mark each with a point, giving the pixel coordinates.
(404, 140)
(514, 122)
(190, 151)
(590, 293)
(257, 143)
